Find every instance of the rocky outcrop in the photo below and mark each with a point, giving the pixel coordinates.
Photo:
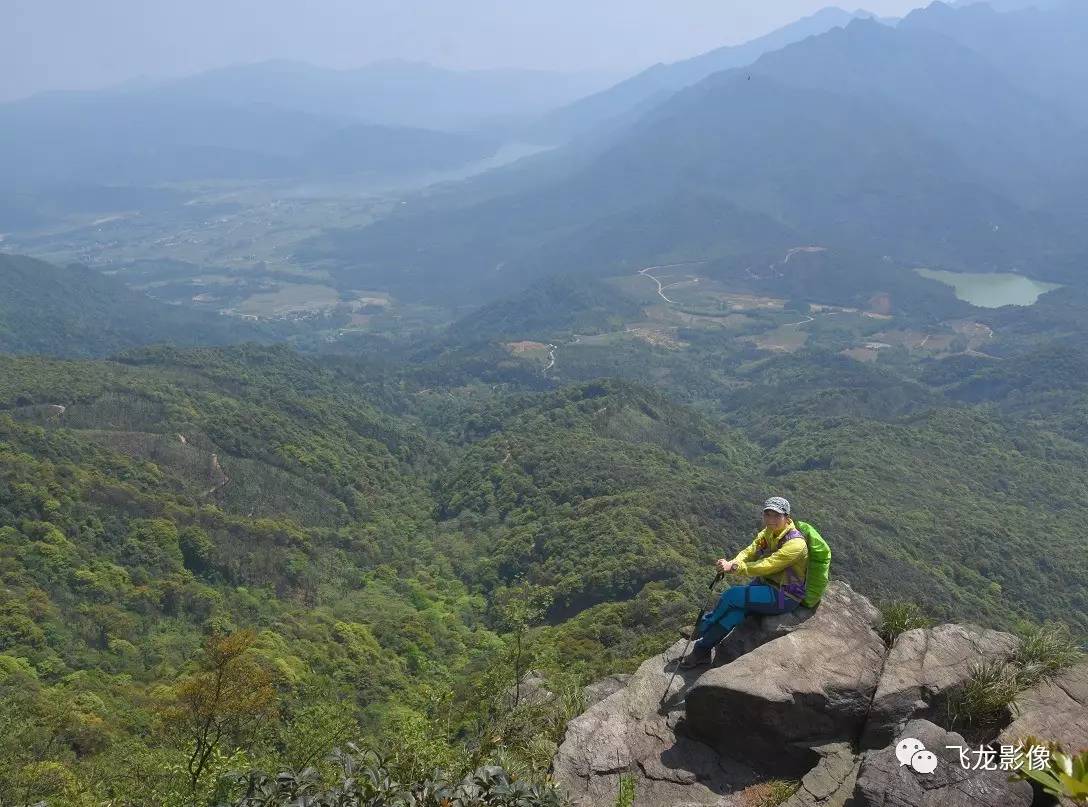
(1055, 710)
(678, 743)
(632, 732)
(883, 781)
(813, 696)
(531, 690)
(831, 781)
(924, 667)
(809, 687)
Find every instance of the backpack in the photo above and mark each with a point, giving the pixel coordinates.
(819, 564)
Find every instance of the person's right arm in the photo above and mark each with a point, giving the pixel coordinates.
(745, 554)
(749, 551)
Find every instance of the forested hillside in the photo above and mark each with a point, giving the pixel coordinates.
(76, 311)
(380, 540)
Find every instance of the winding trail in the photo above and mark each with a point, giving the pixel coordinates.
(660, 287)
(551, 358)
(795, 250)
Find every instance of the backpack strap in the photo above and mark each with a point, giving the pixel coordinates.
(795, 585)
(794, 533)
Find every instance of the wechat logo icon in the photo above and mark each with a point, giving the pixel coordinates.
(910, 751)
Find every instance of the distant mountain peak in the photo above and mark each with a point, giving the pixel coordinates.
(627, 98)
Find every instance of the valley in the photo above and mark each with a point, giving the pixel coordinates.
(364, 427)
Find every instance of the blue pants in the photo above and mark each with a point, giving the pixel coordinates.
(735, 603)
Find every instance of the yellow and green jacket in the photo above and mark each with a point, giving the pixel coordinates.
(779, 559)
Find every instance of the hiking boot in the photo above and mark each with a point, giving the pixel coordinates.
(696, 658)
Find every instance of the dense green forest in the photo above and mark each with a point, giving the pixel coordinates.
(380, 558)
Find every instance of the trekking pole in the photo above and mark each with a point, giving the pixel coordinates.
(702, 612)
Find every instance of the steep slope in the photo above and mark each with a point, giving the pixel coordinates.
(377, 536)
(118, 564)
(1015, 137)
(1041, 46)
(620, 103)
(845, 171)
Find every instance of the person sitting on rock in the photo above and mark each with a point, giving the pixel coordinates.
(777, 559)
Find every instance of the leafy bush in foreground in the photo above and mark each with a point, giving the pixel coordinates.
(1065, 775)
(364, 780)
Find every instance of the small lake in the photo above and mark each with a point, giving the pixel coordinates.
(991, 289)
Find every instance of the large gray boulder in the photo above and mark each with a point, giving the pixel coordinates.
(811, 686)
(631, 732)
(925, 666)
(1055, 710)
(884, 782)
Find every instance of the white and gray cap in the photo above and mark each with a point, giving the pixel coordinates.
(778, 504)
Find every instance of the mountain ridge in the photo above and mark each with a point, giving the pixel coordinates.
(626, 99)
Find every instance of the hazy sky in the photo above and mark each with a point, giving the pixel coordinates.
(70, 44)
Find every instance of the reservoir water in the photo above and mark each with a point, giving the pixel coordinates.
(991, 289)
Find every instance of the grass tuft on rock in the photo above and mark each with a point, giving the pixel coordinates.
(897, 617)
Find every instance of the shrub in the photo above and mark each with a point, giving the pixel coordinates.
(1064, 776)
(986, 697)
(366, 781)
(990, 693)
(897, 616)
(1045, 651)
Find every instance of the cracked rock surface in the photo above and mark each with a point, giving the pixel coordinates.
(631, 732)
(923, 667)
(801, 696)
(599, 690)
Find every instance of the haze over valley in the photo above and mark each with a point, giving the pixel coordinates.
(357, 413)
